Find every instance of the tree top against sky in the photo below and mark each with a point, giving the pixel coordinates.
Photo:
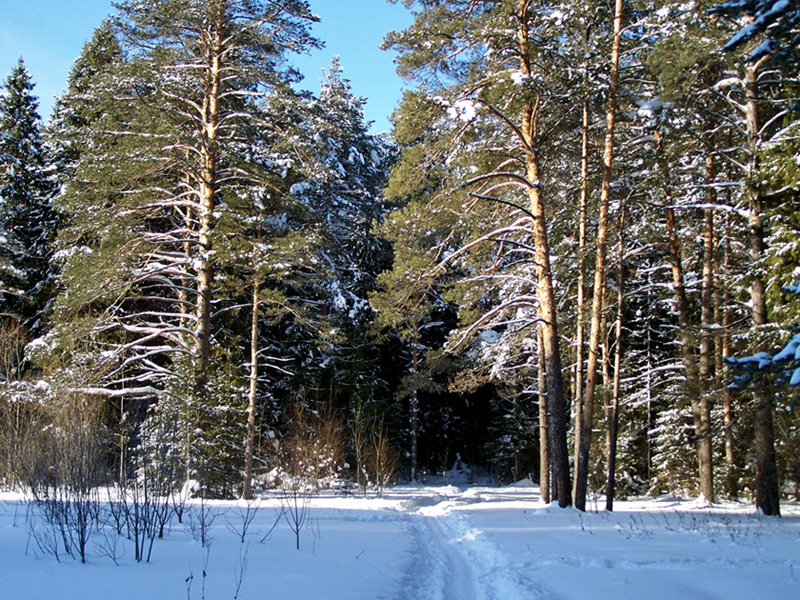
(49, 35)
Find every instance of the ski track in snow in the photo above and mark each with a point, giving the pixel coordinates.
(453, 560)
(437, 542)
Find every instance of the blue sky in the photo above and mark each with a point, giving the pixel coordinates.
(49, 35)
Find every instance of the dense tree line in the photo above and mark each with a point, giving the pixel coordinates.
(579, 232)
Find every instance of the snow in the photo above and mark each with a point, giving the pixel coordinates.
(464, 110)
(432, 543)
(518, 77)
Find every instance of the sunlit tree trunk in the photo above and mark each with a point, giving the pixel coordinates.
(207, 202)
(704, 435)
(413, 404)
(692, 385)
(250, 435)
(723, 320)
(547, 303)
(585, 441)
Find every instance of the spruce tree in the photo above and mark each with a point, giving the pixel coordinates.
(27, 225)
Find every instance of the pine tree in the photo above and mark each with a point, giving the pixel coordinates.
(175, 152)
(776, 23)
(481, 60)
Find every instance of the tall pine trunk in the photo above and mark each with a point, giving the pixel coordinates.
(551, 351)
(613, 420)
(767, 494)
(544, 428)
(208, 202)
(250, 434)
(413, 404)
(581, 292)
(692, 388)
(706, 366)
(724, 321)
(584, 443)
(550, 346)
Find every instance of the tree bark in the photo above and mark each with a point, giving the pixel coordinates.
(547, 303)
(581, 291)
(544, 429)
(692, 386)
(550, 346)
(247, 488)
(613, 425)
(413, 408)
(208, 201)
(704, 447)
(587, 417)
(767, 493)
(722, 317)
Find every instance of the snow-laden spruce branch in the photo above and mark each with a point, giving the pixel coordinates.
(715, 150)
(157, 314)
(142, 275)
(158, 330)
(507, 277)
(741, 212)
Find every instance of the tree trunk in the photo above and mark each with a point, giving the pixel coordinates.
(722, 317)
(704, 447)
(581, 292)
(544, 439)
(547, 303)
(692, 386)
(413, 408)
(613, 425)
(552, 353)
(587, 417)
(247, 488)
(207, 201)
(767, 493)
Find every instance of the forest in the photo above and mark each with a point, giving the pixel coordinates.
(575, 258)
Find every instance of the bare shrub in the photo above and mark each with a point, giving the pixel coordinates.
(314, 449)
(19, 408)
(382, 459)
(377, 461)
(246, 515)
(295, 496)
(201, 520)
(65, 473)
(310, 458)
(22, 435)
(147, 501)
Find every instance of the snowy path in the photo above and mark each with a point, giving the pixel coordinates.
(426, 542)
(454, 560)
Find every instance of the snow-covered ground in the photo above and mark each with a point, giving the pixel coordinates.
(431, 543)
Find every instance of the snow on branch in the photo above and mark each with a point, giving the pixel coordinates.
(761, 361)
(469, 332)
